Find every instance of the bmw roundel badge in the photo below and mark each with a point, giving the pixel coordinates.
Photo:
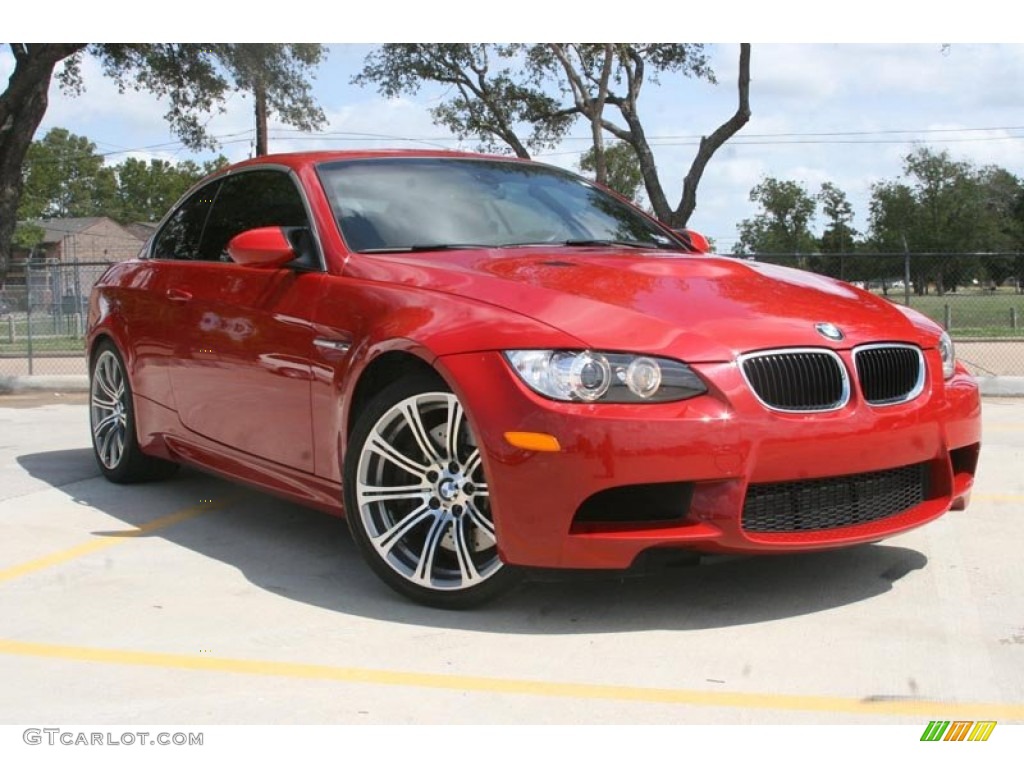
(829, 331)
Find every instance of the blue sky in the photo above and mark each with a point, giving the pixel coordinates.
(843, 112)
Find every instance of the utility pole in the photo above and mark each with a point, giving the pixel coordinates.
(260, 97)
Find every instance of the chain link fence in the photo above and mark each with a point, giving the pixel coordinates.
(42, 318)
(979, 298)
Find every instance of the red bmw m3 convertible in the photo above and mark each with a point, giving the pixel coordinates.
(488, 365)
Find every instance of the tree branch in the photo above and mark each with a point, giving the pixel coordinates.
(710, 144)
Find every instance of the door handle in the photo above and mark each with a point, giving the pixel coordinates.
(332, 345)
(176, 294)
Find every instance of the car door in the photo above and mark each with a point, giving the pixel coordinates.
(242, 370)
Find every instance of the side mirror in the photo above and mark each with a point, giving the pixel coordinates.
(265, 247)
(697, 240)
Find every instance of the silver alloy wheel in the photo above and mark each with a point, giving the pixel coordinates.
(422, 497)
(108, 409)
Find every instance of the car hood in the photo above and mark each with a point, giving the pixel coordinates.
(707, 308)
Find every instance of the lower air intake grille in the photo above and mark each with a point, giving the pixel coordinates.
(834, 502)
(797, 379)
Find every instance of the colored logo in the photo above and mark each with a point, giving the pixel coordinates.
(829, 331)
(958, 730)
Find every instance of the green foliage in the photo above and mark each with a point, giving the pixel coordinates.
(192, 78)
(839, 235)
(623, 169)
(783, 225)
(146, 191)
(65, 177)
(283, 72)
(493, 95)
(61, 177)
(195, 78)
(27, 235)
(947, 206)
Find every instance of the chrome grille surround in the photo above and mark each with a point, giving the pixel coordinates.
(870, 366)
(792, 371)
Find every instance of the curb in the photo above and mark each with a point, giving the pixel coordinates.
(1001, 386)
(10, 385)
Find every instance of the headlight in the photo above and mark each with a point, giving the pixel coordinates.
(608, 377)
(948, 356)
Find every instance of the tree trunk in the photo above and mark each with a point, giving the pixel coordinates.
(597, 110)
(22, 107)
(710, 144)
(260, 97)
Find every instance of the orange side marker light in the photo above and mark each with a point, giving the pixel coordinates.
(533, 441)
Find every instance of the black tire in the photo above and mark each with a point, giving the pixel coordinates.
(112, 423)
(416, 499)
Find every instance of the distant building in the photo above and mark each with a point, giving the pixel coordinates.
(59, 280)
(95, 238)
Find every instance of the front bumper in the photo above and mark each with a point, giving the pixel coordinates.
(715, 445)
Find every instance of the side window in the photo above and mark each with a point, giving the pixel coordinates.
(249, 200)
(180, 236)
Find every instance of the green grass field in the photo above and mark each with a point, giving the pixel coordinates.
(972, 314)
(49, 335)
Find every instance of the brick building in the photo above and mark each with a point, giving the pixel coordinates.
(68, 260)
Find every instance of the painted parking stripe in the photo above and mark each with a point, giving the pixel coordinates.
(97, 544)
(870, 706)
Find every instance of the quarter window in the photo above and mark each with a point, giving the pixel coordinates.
(180, 236)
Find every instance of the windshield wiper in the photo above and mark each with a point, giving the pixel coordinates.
(416, 247)
(619, 243)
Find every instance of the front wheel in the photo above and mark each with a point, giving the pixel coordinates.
(417, 500)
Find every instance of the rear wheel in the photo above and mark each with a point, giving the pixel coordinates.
(112, 421)
(417, 500)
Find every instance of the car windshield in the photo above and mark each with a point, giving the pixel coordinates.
(409, 204)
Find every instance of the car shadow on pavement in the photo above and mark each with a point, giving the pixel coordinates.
(307, 556)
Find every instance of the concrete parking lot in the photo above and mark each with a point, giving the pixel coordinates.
(200, 601)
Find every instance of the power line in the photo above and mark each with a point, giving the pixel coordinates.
(668, 140)
(739, 141)
(697, 137)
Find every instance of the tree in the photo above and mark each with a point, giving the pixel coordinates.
(586, 61)
(839, 235)
(192, 77)
(501, 89)
(783, 225)
(1001, 192)
(938, 209)
(66, 177)
(838, 239)
(61, 177)
(146, 191)
(1018, 227)
(278, 77)
(622, 170)
(27, 235)
(591, 88)
(489, 97)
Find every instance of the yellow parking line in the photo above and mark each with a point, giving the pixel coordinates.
(95, 545)
(900, 707)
